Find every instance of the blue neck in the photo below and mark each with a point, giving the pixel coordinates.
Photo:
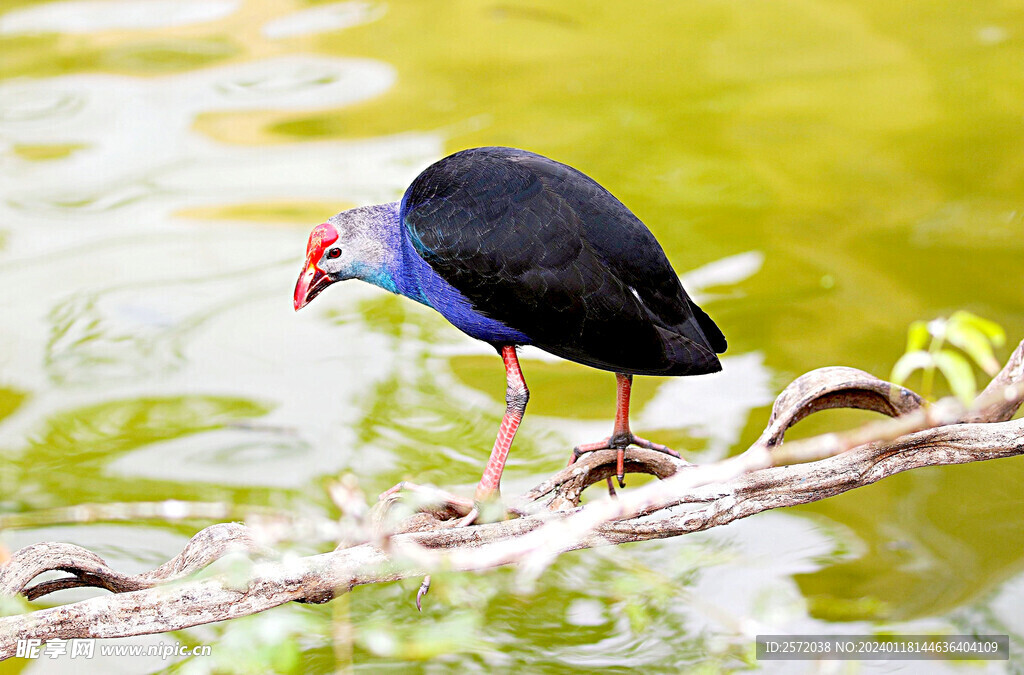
(404, 272)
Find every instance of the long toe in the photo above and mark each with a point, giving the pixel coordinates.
(425, 499)
(620, 443)
(584, 448)
(612, 443)
(644, 443)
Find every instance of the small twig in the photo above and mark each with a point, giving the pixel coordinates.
(688, 499)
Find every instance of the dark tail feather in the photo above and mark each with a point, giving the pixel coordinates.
(686, 356)
(712, 332)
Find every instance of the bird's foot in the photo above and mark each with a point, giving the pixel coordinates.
(431, 504)
(620, 442)
(430, 500)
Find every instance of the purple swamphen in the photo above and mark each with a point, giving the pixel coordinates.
(517, 249)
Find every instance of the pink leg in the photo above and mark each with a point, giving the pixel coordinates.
(516, 396)
(621, 435)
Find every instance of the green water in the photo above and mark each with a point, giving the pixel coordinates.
(822, 173)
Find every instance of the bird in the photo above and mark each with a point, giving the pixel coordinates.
(517, 249)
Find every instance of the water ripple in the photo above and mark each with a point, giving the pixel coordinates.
(87, 16)
(24, 104)
(323, 19)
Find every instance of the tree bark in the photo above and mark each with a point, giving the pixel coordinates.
(551, 521)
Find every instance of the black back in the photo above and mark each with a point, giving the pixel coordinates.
(546, 250)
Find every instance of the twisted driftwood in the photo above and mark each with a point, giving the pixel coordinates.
(689, 498)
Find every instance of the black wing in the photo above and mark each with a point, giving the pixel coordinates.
(543, 248)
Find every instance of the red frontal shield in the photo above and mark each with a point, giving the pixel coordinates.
(312, 279)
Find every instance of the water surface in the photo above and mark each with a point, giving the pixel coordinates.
(822, 174)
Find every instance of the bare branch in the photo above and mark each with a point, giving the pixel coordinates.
(1003, 396)
(835, 387)
(687, 499)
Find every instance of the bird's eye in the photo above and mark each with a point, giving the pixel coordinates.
(334, 252)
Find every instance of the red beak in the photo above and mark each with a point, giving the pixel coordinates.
(310, 283)
(312, 280)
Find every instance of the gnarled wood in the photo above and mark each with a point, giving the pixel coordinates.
(835, 387)
(88, 569)
(690, 498)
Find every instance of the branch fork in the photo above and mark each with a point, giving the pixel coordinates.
(688, 498)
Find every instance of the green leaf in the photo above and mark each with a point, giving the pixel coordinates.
(908, 363)
(917, 336)
(957, 371)
(975, 343)
(991, 329)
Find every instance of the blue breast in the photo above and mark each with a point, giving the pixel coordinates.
(417, 280)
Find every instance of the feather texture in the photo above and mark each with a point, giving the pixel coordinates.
(543, 249)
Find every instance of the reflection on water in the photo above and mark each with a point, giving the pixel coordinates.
(162, 162)
(86, 16)
(233, 457)
(323, 19)
(140, 156)
(715, 408)
(138, 330)
(974, 224)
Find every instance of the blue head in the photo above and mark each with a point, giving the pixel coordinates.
(360, 243)
(370, 243)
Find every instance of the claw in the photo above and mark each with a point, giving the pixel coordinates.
(658, 447)
(611, 488)
(393, 490)
(431, 498)
(584, 448)
(619, 443)
(621, 437)
(465, 521)
(424, 587)
(440, 502)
